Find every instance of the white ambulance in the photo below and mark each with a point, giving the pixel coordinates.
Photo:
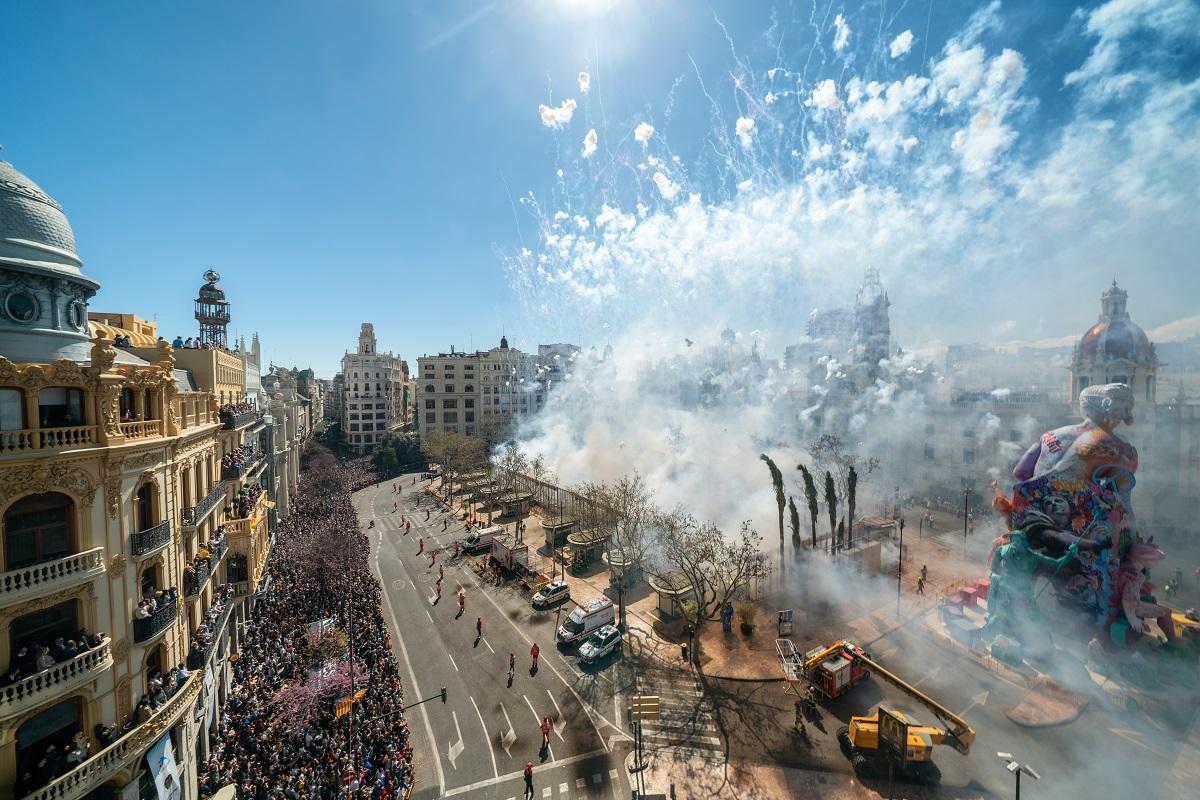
(586, 619)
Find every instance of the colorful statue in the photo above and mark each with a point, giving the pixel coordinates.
(1135, 593)
(1012, 607)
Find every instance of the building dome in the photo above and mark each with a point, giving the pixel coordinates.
(1115, 336)
(210, 292)
(30, 216)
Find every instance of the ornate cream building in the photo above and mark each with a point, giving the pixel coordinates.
(121, 478)
(375, 394)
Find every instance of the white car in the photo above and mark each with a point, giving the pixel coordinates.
(601, 643)
(552, 593)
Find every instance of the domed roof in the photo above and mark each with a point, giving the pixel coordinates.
(27, 214)
(210, 291)
(1116, 336)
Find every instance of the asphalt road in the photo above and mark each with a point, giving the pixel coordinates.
(1104, 753)
(476, 745)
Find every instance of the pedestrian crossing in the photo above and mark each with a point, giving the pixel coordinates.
(685, 717)
(597, 783)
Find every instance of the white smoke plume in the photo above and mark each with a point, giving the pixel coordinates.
(558, 116)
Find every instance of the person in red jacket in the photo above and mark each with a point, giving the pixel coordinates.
(533, 652)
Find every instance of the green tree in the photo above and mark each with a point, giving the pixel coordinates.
(780, 502)
(831, 507)
(851, 491)
(810, 496)
(794, 524)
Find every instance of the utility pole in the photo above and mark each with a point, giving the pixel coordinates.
(899, 566)
(966, 514)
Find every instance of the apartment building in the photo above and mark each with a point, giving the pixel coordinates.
(376, 393)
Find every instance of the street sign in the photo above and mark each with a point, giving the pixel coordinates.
(644, 706)
(893, 734)
(785, 622)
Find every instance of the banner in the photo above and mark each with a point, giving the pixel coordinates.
(160, 760)
(342, 707)
(321, 625)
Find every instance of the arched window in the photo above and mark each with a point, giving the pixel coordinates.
(60, 407)
(1149, 387)
(56, 725)
(143, 508)
(429, 388)
(38, 528)
(12, 410)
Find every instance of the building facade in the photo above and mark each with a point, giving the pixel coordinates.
(376, 393)
(134, 507)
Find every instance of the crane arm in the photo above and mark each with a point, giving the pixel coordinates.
(963, 734)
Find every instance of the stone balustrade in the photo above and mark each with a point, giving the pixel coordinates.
(142, 429)
(56, 681)
(35, 440)
(50, 576)
(93, 773)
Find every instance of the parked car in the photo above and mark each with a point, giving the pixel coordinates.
(586, 619)
(552, 594)
(601, 643)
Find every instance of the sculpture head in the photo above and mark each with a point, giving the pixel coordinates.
(1107, 405)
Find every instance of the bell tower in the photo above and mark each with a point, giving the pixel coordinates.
(212, 312)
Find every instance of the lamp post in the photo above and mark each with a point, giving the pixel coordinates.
(899, 566)
(1016, 769)
(921, 528)
(966, 514)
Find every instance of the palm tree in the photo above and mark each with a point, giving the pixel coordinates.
(780, 501)
(794, 525)
(851, 491)
(810, 494)
(831, 507)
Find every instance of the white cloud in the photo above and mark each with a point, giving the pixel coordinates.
(643, 132)
(745, 130)
(585, 82)
(589, 143)
(557, 117)
(666, 187)
(825, 95)
(902, 44)
(841, 37)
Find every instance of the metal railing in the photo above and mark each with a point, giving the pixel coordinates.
(58, 679)
(99, 768)
(239, 420)
(151, 539)
(156, 623)
(32, 440)
(200, 574)
(49, 576)
(194, 515)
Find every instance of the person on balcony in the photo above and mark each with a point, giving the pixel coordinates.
(44, 659)
(12, 676)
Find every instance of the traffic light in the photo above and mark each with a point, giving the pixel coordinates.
(443, 695)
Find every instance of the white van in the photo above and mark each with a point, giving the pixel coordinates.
(587, 619)
(482, 539)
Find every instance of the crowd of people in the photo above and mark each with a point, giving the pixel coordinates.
(154, 600)
(206, 631)
(194, 344)
(246, 498)
(268, 757)
(30, 659)
(238, 456)
(235, 408)
(194, 568)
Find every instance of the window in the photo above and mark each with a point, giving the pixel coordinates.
(470, 430)
(12, 410)
(1120, 379)
(429, 388)
(354, 416)
(449, 388)
(37, 529)
(449, 416)
(353, 426)
(929, 430)
(143, 508)
(430, 404)
(968, 433)
(968, 456)
(43, 627)
(1014, 435)
(469, 416)
(380, 415)
(380, 405)
(469, 402)
(469, 388)
(431, 418)
(1149, 387)
(929, 452)
(449, 403)
(368, 426)
(60, 407)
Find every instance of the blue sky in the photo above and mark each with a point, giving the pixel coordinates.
(363, 161)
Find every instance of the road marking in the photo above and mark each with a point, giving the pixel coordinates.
(580, 783)
(597, 778)
(489, 647)
(431, 622)
(933, 673)
(491, 750)
(562, 723)
(452, 661)
(398, 639)
(976, 700)
(617, 712)
(562, 788)
(510, 736)
(455, 750)
(546, 792)
(538, 721)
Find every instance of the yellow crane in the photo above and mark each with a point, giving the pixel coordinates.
(869, 741)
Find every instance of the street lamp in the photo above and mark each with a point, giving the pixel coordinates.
(966, 514)
(899, 566)
(1016, 769)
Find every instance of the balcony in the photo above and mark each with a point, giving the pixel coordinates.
(204, 654)
(239, 420)
(50, 576)
(243, 525)
(194, 515)
(98, 769)
(42, 439)
(143, 429)
(156, 623)
(146, 542)
(192, 586)
(235, 472)
(59, 680)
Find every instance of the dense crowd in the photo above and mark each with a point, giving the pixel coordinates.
(267, 756)
(202, 637)
(30, 659)
(244, 502)
(154, 600)
(235, 408)
(193, 569)
(238, 456)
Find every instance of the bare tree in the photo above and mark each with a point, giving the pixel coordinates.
(780, 501)
(810, 496)
(832, 455)
(715, 566)
(625, 507)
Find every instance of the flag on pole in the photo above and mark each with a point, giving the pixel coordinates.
(342, 707)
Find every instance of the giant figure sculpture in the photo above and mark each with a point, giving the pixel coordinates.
(1071, 510)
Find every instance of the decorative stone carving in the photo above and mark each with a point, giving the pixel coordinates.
(47, 477)
(112, 489)
(110, 409)
(116, 567)
(103, 354)
(84, 592)
(37, 376)
(124, 698)
(120, 650)
(148, 476)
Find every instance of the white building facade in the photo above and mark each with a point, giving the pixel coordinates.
(375, 393)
